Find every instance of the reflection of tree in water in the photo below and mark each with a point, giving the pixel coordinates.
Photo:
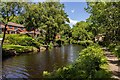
(32, 66)
(48, 61)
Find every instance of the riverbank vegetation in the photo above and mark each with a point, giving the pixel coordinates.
(16, 44)
(105, 20)
(91, 64)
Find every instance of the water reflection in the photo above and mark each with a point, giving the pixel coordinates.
(32, 65)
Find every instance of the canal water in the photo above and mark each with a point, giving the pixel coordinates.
(33, 65)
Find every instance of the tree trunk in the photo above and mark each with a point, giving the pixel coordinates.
(4, 34)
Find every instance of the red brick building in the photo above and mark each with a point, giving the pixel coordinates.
(14, 28)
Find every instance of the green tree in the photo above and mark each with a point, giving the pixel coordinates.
(8, 11)
(104, 18)
(48, 16)
(53, 18)
(80, 31)
(31, 17)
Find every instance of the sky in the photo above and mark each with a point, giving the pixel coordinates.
(76, 11)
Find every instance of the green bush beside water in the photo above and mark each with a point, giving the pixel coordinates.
(18, 44)
(23, 40)
(89, 65)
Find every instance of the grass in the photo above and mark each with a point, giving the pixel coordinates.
(19, 48)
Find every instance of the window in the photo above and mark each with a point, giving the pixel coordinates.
(22, 28)
(10, 26)
(15, 28)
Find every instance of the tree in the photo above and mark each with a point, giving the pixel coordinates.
(105, 19)
(80, 31)
(8, 11)
(32, 16)
(53, 18)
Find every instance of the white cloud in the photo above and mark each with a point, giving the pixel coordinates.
(72, 11)
(72, 22)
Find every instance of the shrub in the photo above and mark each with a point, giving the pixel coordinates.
(117, 51)
(112, 47)
(22, 40)
(90, 60)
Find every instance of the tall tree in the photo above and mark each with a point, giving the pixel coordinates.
(105, 19)
(32, 16)
(48, 16)
(54, 18)
(8, 11)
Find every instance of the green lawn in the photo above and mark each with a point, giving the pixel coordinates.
(19, 48)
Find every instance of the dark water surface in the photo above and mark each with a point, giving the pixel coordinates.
(32, 65)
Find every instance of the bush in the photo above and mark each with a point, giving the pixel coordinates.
(87, 66)
(22, 40)
(90, 60)
(112, 47)
(117, 51)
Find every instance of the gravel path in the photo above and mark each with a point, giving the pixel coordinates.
(114, 64)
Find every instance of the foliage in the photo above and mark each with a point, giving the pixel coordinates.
(48, 17)
(80, 31)
(87, 66)
(112, 46)
(90, 60)
(22, 40)
(117, 51)
(66, 32)
(8, 10)
(104, 18)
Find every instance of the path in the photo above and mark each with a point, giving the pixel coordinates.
(114, 64)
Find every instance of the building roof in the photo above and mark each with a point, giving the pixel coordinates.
(15, 24)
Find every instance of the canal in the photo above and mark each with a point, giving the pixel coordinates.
(32, 65)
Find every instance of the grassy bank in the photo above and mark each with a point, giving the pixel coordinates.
(19, 48)
(15, 44)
